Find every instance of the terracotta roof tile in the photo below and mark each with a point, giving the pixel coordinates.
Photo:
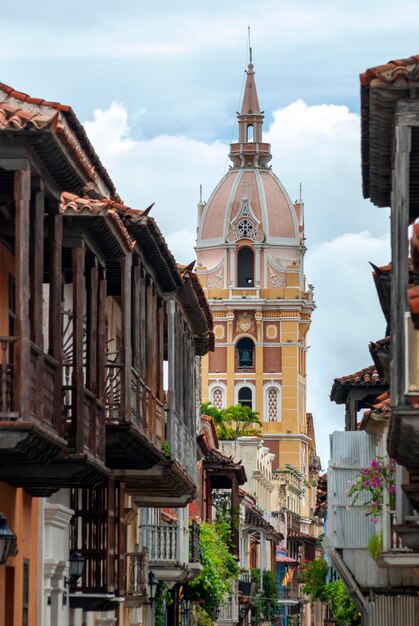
(75, 127)
(365, 377)
(70, 204)
(407, 69)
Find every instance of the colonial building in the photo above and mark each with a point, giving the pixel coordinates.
(94, 313)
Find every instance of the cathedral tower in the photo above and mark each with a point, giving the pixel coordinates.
(250, 250)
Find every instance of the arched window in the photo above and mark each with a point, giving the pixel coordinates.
(245, 267)
(245, 396)
(272, 408)
(245, 353)
(217, 398)
(250, 132)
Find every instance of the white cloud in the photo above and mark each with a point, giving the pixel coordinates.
(347, 318)
(320, 147)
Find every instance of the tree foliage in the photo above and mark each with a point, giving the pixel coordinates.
(333, 594)
(234, 421)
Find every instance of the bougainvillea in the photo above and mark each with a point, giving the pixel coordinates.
(372, 482)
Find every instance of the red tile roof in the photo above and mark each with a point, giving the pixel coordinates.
(407, 69)
(70, 204)
(20, 118)
(365, 377)
(380, 411)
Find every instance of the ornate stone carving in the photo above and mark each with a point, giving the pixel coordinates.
(244, 323)
(271, 331)
(216, 281)
(219, 332)
(245, 225)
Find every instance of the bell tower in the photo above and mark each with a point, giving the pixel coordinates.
(250, 250)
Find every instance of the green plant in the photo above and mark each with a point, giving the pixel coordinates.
(220, 568)
(333, 594)
(163, 598)
(165, 448)
(372, 482)
(375, 545)
(266, 604)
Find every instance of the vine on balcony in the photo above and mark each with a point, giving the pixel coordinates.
(220, 569)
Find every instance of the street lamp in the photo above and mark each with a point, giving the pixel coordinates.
(76, 568)
(153, 584)
(7, 538)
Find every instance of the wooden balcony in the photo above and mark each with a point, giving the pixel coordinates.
(229, 610)
(172, 481)
(134, 422)
(136, 585)
(28, 411)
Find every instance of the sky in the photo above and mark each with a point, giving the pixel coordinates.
(157, 86)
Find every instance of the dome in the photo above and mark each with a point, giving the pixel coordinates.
(255, 195)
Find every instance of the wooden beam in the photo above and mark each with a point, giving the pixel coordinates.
(93, 329)
(400, 271)
(126, 265)
(55, 228)
(22, 192)
(37, 267)
(101, 338)
(78, 262)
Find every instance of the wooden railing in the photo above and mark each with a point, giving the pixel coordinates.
(136, 578)
(182, 444)
(162, 543)
(6, 378)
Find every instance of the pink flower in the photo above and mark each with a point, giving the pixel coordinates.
(376, 482)
(367, 483)
(392, 489)
(375, 464)
(374, 519)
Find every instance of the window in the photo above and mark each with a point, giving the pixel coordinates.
(272, 402)
(245, 396)
(217, 398)
(245, 260)
(245, 353)
(25, 593)
(250, 132)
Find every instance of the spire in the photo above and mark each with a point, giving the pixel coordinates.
(250, 151)
(250, 103)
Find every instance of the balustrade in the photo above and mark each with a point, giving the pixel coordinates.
(136, 578)
(162, 543)
(6, 378)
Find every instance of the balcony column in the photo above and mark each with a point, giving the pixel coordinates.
(22, 193)
(101, 337)
(126, 265)
(136, 321)
(399, 248)
(37, 262)
(55, 318)
(171, 353)
(262, 556)
(79, 296)
(235, 507)
(92, 338)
